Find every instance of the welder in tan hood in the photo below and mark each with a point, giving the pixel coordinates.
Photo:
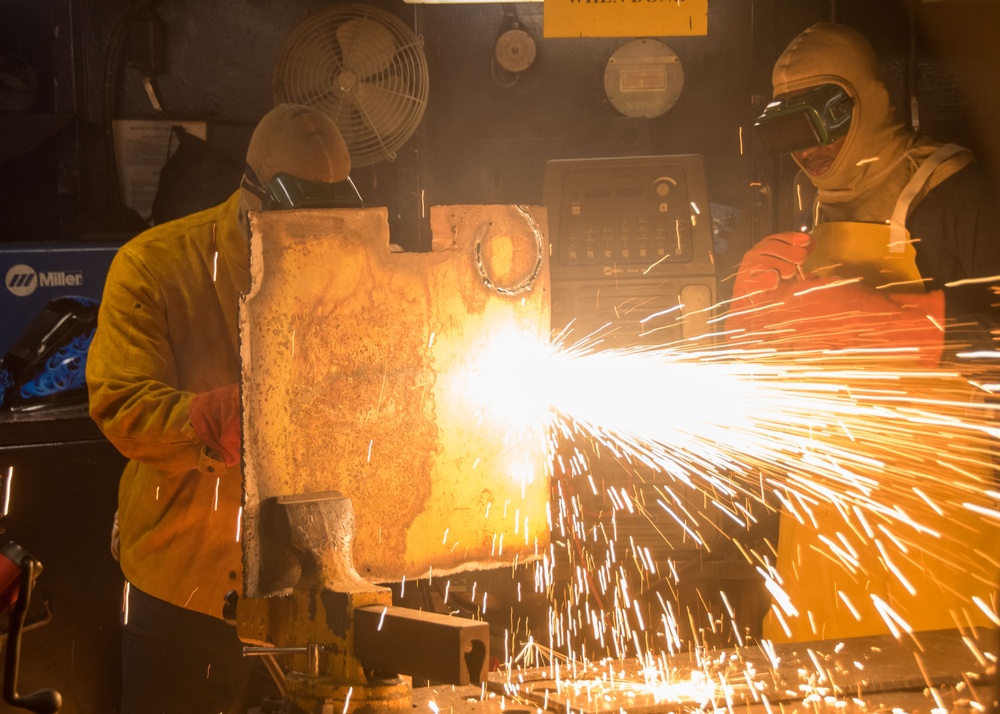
(163, 374)
(903, 215)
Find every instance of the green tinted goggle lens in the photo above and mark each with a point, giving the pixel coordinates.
(814, 118)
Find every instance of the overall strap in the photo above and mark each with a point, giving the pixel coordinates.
(897, 224)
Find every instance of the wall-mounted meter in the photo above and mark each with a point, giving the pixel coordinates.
(643, 78)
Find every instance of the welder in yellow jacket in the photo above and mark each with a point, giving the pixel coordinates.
(163, 373)
(896, 216)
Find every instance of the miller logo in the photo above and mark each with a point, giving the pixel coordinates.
(22, 280)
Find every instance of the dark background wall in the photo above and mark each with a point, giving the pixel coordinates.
(483, 139)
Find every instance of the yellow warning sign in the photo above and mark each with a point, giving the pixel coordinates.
(625, 18)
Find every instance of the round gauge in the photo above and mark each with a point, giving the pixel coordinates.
(643, 78)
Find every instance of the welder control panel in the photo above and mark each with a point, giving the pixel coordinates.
(628, 214)
(631, 247)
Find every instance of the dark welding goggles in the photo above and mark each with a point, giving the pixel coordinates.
(284, 192)
(815, 117)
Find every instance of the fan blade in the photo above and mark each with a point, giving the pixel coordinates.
(383, 107)
(349, 124)
(362, 142)
(365, 69)
(308, 76)
(366, 46)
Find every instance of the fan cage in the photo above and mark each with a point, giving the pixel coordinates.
(365, 69)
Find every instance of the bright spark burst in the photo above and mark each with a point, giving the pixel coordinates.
(715, 419)
(895, 454)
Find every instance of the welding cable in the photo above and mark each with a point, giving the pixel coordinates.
(913, 69)
(112, 61)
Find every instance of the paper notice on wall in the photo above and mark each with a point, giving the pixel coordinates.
(142, 147)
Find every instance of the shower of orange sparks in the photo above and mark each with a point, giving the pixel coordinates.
(890, 449)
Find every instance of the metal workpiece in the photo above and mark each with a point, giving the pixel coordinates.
(362, 373)
(371, 452)
(439, 648)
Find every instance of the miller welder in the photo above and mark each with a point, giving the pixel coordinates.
(632, 267)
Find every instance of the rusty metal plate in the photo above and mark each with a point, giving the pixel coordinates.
(354, 361)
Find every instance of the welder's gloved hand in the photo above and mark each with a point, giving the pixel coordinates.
(215, 416)
(829, 314)
(769, 263)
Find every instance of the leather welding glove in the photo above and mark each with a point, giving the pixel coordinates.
(830, 314)
(767, 264)
(215, 417)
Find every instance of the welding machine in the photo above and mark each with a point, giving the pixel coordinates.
(49, 303)
(631, 238)
(632, 266)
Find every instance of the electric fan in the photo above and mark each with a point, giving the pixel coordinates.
(365, 69)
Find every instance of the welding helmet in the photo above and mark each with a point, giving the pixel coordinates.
(303, 149)
(813, 117)
(45, 370)
(284, 192)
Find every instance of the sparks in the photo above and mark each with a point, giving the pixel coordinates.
(6, 490)
(893, 452)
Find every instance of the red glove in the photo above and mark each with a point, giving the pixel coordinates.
(215, 416)
(774, 259)
(830, 314)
